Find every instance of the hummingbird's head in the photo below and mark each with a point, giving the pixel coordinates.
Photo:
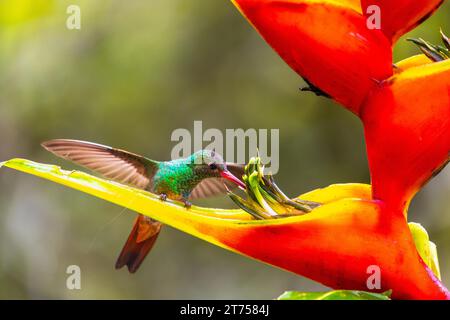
(210, 164)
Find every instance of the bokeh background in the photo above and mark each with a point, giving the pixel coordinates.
(136, 71)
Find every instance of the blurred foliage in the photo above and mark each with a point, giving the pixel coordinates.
(22, 11)
(136, 71)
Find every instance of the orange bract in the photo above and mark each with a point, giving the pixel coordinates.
(336, 244)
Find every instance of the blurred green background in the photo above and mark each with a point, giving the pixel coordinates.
(136, 71)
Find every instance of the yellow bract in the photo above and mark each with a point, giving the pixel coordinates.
(414, 61)
(196, 219)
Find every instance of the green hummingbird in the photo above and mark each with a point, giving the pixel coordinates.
(202, 174)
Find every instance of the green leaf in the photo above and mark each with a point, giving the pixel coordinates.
(335, 295)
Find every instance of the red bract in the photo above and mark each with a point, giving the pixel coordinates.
(407, 125)
(326, 42)
(400, 16)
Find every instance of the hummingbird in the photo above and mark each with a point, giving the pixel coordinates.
(202, 174)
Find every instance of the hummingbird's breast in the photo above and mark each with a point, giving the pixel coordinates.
(175, 179)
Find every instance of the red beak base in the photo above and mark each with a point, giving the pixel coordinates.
(229, 176)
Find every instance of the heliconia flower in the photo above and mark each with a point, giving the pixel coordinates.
(340, 243)
(400, 16)
(406, 116)
(407, 127)
(325, 41)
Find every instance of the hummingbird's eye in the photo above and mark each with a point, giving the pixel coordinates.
(213, 166)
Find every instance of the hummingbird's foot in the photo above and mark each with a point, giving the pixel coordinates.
(163, 197)
(187, 204)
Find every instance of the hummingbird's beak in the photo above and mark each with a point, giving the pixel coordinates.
(229, 176)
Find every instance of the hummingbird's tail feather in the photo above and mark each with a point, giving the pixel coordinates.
(139, 243)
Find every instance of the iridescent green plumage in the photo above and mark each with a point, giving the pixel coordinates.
(177, 178)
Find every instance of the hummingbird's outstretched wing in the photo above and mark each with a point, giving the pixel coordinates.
(115, 164)
(216, 186)
(123, 167)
